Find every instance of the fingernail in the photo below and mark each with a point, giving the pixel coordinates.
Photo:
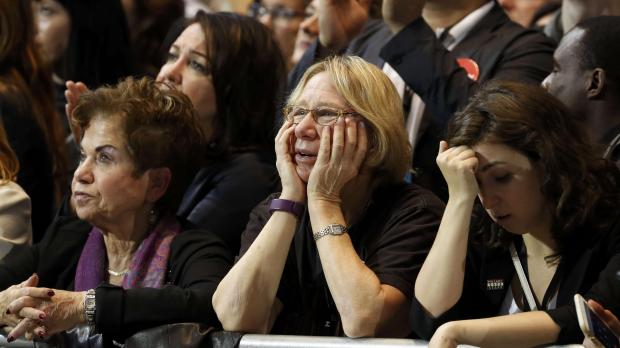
(42, 316)
(50, 293)
(8, 311)
(362, 124)
(10, 339)
(41, 334)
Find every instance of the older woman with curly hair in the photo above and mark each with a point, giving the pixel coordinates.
(127, 263)
(551, 227)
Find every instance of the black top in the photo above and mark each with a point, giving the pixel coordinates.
(222, 195)
(35, 174)
(393, 239)
(198, 261)
(591, 271)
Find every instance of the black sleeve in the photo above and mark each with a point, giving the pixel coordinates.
(604, 267)
(198, 261)
(258, 219)
(472, 304)
(17, 265)
(226, 204)
(399, 252)
(54, 259)
(433, 73)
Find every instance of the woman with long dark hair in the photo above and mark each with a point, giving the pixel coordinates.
(551, 227)
(27, 110)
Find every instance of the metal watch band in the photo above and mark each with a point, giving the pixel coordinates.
(333, 229)
(288, 206)
(90, 307)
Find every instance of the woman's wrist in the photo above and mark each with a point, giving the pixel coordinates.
(462, 197)
(324, 207)
(294, 197)
(451, 331)
(86, 307)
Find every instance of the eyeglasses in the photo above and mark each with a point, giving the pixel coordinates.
(278, 12)
(324, 116)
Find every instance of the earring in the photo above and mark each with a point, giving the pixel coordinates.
(152, 217)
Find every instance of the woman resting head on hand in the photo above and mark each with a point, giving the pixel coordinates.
(524, 156)
(343, 152)
(137, 156)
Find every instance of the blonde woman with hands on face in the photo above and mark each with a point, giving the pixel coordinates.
(344, 265)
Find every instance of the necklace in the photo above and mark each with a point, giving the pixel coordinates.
(118, 274)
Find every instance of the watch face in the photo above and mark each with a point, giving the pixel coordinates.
(338, 229)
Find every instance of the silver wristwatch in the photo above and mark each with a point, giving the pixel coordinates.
(90, 307)
(333, 229)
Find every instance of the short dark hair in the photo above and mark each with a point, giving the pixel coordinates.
(600, 45)
(160, 127)
(248, 74)
(580, 186)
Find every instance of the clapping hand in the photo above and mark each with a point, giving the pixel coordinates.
(338, 161)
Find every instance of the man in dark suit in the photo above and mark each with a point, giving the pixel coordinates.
(443, 49)
(586, 78)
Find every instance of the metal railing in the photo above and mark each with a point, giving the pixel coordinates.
(288, 341)
(280, 341)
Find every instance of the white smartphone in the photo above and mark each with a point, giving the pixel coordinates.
(593, 326)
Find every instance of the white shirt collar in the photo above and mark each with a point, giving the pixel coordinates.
(459, 30)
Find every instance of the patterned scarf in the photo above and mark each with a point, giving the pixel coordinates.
(148, 266)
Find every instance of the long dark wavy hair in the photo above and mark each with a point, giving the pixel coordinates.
(25, 81)
(248, 73)
(580, 186)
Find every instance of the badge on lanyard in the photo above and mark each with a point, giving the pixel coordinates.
(495, 284)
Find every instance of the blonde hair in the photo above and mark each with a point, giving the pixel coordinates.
(372, 95)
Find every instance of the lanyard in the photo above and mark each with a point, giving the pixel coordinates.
(525, 284)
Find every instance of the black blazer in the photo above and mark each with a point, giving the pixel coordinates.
(502, 50)
(198, 261)
(591, 271)
(222, 194)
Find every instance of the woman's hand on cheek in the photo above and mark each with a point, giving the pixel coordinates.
(43, 317)
(293, 187)
(339, 160)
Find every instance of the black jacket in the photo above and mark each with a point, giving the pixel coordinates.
(222, 195)
(198, 261)
(502, 49)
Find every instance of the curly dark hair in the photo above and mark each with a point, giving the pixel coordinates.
(581, 187)
(160, 127)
